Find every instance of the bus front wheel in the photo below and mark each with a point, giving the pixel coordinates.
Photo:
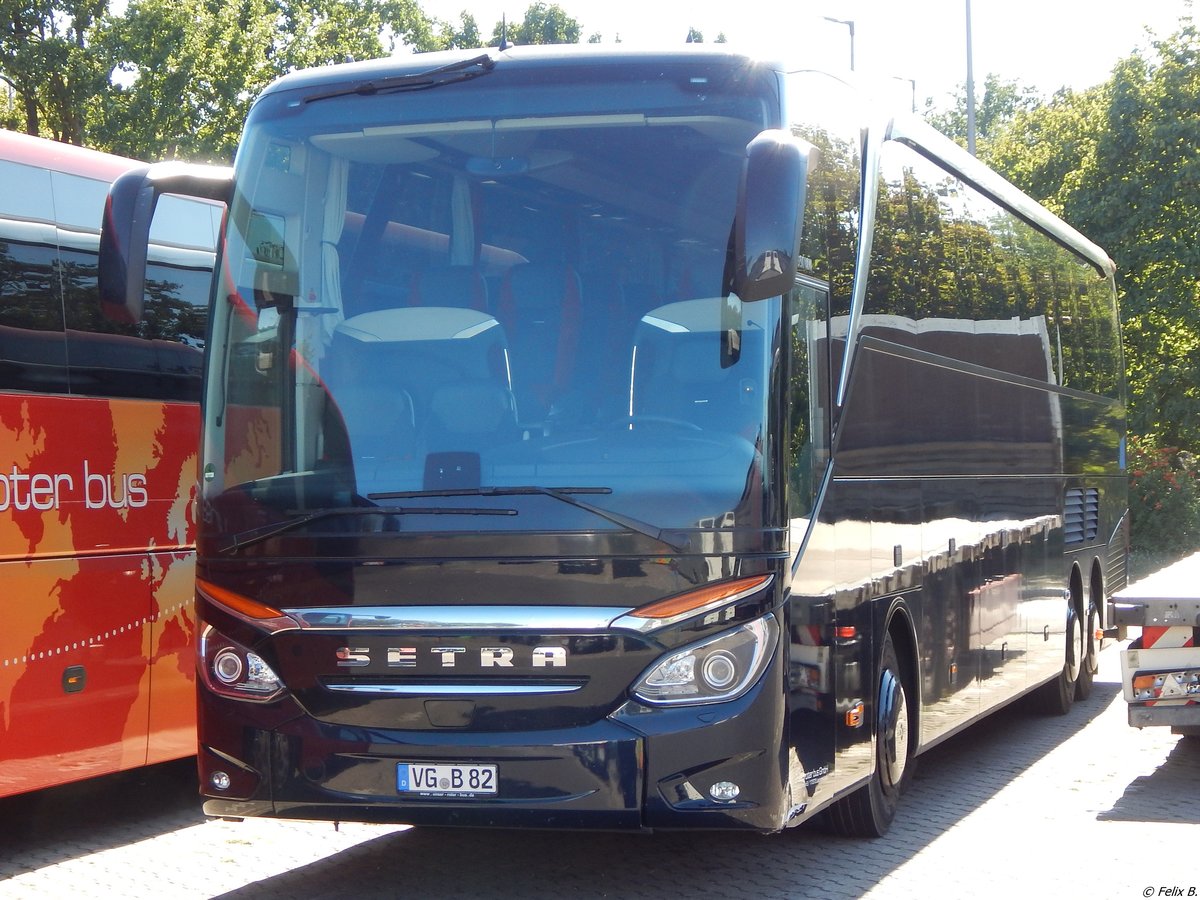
(869, 811)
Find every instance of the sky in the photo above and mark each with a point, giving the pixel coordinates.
(908, 48)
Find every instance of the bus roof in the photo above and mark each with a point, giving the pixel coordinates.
(60, 157)
(902, 127)
(531, 56)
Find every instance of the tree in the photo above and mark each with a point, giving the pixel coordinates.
(1122, 163)
(10, 109)
(1049, 150)
(543, 24)
(465, 36)
(1001, 101)
(45, 58)
(211, 58)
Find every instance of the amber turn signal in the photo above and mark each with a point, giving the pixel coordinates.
(244, 605)
(710, 595)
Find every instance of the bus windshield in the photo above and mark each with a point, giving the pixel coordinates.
(494, 305)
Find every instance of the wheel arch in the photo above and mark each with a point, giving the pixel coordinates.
(900, 624)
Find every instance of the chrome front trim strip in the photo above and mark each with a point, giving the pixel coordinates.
(538, 619)
(444, 690)
(473, 618)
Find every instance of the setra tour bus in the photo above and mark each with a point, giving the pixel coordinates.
(634, 440)
(99, 425)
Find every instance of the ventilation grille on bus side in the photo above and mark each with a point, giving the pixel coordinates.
(1081, 515)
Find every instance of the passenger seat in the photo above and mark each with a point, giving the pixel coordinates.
(457, 286)
(540, 311)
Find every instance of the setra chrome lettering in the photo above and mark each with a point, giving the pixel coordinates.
(450, 657)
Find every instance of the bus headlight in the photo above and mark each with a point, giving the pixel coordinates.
(710, 671)
(230, 670)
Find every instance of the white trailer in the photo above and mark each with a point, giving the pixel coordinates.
(1160, 669)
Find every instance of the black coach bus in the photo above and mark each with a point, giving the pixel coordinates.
(597, 438)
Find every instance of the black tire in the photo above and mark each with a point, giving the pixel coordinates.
(1090, 664)
(1056, 697)
(869, 811)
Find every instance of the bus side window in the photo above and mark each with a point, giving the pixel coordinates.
(160, 357)
(33, 354)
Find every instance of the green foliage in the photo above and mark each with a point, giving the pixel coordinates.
(1049, 150)
(1122, 163)
(45, 59)
(1164, 499)
(544, 23)
(175, 79)
(464, 36)
(1001, 102)
(211, 58)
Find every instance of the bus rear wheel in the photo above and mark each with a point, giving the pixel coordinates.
(1090, 663)
(869, 811)
(1056, 697)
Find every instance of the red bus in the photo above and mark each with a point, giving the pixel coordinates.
(98, 441)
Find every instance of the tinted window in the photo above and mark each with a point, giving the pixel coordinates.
(471, 294)
(159, 357)
(956, 274)
(32, 352)
(50, 316)
(824, 112)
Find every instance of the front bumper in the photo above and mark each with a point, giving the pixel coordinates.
(1183, 715)
(638, 769)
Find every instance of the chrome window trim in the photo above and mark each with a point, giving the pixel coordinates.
(869, 200)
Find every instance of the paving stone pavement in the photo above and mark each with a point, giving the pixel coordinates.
(1018, 805)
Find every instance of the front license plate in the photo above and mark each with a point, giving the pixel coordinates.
(446, 779)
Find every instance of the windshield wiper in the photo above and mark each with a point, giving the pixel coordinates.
(255, 535)
(676, 540)
(413, 81)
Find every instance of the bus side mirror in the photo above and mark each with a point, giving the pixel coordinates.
(125, 230)
(770, 208)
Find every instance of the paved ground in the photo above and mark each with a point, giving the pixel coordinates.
(1018, 806)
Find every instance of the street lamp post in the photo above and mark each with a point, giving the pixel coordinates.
(970, 88)
(849, 23)
(911, 82)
